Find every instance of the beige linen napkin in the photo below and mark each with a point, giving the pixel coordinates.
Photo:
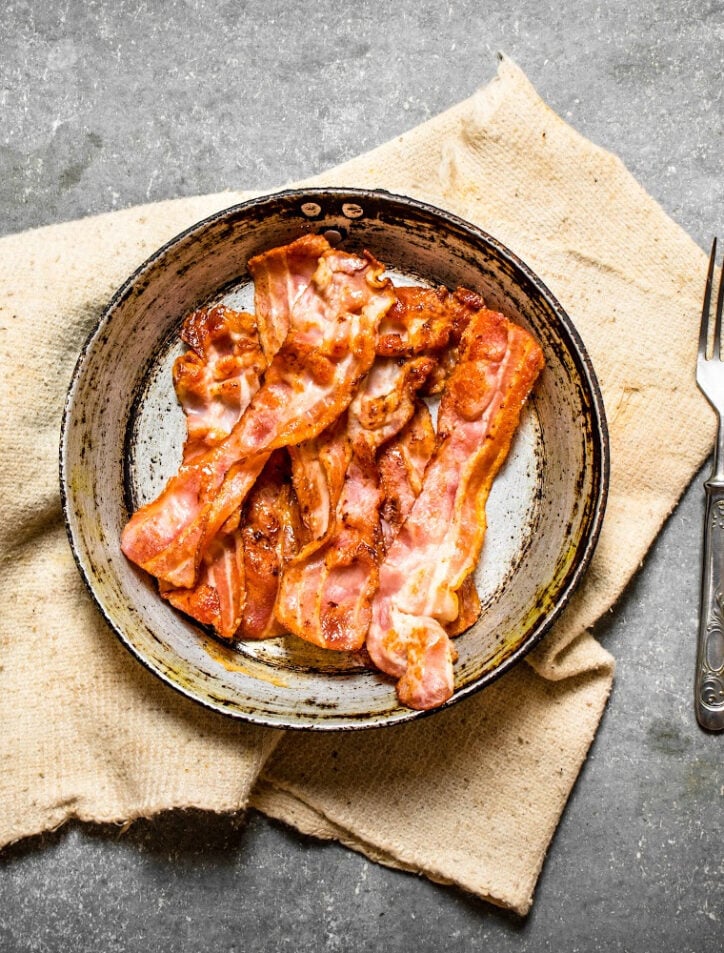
(471, 796)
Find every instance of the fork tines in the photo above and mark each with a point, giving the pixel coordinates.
(705, 332)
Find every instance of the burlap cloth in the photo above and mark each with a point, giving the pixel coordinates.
(471, 796)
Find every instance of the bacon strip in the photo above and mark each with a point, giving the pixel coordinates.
(319, 464)
(326, 592)
(330, 345)
(319, 467)
(440, 542)
(402, 465)
(425, 320)
(281, 275)
(214, 383)
(217, 378)
(325, 598)
(271, 532)
(217, 597)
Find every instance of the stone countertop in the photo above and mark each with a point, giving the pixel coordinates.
(108, 105)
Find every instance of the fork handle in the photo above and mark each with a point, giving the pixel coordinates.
(709, 686)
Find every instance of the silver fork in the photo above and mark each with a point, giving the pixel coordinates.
(709, 684)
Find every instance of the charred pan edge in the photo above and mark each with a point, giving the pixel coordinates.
(380, 203)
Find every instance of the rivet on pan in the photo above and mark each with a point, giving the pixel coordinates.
(351, 210)
(311, 209)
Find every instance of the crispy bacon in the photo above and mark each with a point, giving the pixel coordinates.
(217, 597)
(329, 347)
(422, 321)
(425, 320)
(428, 321)
(271, 532)
(215, 382)
(217, 378)
(325, 597)
(326, 592)
(440, 542)
(319, 467)
(281, 276)
(227, 539)
(402, 466)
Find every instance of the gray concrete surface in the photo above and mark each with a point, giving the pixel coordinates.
(105, 105)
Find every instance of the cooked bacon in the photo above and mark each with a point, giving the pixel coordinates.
(325, 597)
(425, 321)
(217, 378)
(217, 598)
(326, 592)
(228, 526)
(402, 466)
(214, 383)
(240, 571)
(270, 533)
(311, 380)
(281, 275)
(469, 607)
(440, 542)
(320, 463)
(319, 467)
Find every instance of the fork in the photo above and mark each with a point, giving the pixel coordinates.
(709, 682)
